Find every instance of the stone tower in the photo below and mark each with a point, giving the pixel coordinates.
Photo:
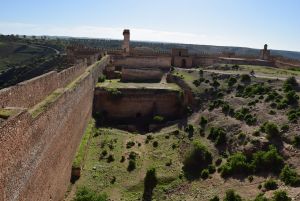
(265, 53)
(125, 46)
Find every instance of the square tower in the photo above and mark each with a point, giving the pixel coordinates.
(125, 46)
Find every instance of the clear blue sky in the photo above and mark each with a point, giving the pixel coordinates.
(250, 23)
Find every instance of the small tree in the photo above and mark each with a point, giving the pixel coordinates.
(232, 196)
(281, 196)
(197, 159)
(245, 78)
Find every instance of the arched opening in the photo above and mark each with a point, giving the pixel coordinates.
(180, 53)
(183, 63)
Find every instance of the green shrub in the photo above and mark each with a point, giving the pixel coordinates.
(271, 130)
(110, 158)
(197, 159)
(211, 169)
(296, 141)
(261, 161)
(85, 194)
(290, 84)
(155, 144)
(218, 135)
(158, 119)
(102, 78)
(131, 165)
(281, 195)
(232, 196)
(250, 178)
(231, 81)
(203, 122)
(293, 115)
(289, 176)
(261, 197)
(132, 155)
(215, 198)
(267, 161)
(236, 164)
(291, 97)
(270, 184)
(245, 78)
(204, 174)
(130, 144)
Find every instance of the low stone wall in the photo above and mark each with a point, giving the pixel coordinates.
(132, 103)
(30, 92)
(141, 75)
(37, 151)
(163, 62)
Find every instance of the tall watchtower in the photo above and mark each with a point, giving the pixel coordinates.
(125, 46)
(265, 53)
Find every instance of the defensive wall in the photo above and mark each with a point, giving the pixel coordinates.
(138, 102)
(163, 62)
(141, 74)
(39, 142)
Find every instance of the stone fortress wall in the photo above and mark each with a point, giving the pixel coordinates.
(139, 102)
(37, 149)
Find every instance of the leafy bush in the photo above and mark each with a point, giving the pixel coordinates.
(197, 159)
(270, 184)
(289, 176)
(290, 84)
(232, 196)
(131, 165)
(267, 161)
(261, 197)
(110, 158)
(281, 196)
(155, 144)
(291, 97)
(130, 144)
(293, 115)
(85, 194)
(158, 119)
(245, 78)
(203, 122)
(296, 141)
(231, 81)
(261, 161)
(236, 164)
(216, 198)
(243, 114)
(102, 78)
(204, 174)
(271, 130)
(218, 135)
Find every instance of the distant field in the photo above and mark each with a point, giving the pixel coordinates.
(14, 54)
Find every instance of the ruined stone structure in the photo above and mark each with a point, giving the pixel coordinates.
(265, 53)
(181, 58)
(136, 103)
(39, 140)
(125, 46)
(141, 74)
(48, 114)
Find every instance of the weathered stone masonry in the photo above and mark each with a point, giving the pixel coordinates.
(37, 151)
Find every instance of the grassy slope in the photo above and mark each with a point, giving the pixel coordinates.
(17, 53)
(98, 174)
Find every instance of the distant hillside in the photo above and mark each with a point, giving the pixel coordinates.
(210, 49)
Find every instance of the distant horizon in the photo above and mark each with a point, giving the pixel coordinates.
(234, 23)
(150, 41)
